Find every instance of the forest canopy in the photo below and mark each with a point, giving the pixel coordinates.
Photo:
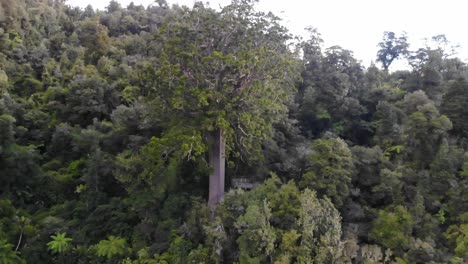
(175, 134)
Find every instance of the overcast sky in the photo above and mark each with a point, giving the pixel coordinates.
(357, 25)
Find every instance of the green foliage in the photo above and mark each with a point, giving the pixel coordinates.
(257, 237)
(285, 204)
(111, 247)
(315, 233)
(107, 121)
(130, 94)
(392, 227)
(454, 106)
(7, 132)
(60, 243)
(389, 122)
(290, 244)
(332, 82)
(393, 150)
(321, 230)
(94, 37)
(3, 82)
(199, 255)
(329, 169)
(424, 131)
(464, 172)
(457, 235)
(179, 251)
(8, 255)
(390, 185)
(239, 83)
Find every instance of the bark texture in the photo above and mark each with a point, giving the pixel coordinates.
(217, 163)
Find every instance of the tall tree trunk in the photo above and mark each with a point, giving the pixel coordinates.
(217, 163)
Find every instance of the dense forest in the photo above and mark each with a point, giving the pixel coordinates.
(174, 134)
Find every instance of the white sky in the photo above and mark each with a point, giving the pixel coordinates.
(357, 25)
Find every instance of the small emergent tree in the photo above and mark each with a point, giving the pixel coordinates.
(391, 48)
(221, 80)
(60, 244)
(111, 247)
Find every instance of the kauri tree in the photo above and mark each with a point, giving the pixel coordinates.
(221, 80)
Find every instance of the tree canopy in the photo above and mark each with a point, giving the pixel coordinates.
(192, 134)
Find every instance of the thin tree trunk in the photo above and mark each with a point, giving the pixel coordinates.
(217, 163)
(19, 241)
